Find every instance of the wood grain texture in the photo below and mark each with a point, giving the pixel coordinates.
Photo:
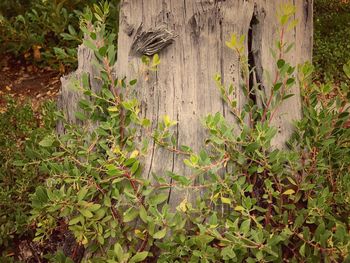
(69, 95)
(183, 87)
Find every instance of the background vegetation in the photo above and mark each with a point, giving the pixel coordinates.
(45, 32)
(331, 38)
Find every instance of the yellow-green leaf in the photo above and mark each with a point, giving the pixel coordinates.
(113, 109)
(239, 208)
(86, 213)
(140, 256)
(225, 200)
(160, 234)
(289, 192)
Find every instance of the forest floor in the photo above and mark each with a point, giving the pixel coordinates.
(26, 82)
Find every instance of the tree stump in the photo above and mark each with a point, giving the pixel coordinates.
(183, 87)
(69, 96)
(193, 51)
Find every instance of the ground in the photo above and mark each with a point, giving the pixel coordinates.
(25, 81)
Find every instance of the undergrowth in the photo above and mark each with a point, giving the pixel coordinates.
(331, 39)
(46, 32)
(249, 203)
(20, 131)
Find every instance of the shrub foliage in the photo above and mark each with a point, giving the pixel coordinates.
(20, 131)
(254, 203)
(45, 32)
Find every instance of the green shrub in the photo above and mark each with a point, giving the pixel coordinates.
(331, 39)
(20, 132)
(259, 204)
(45, 31)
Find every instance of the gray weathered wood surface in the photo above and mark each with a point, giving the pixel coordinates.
(183, 87)
(70, 96)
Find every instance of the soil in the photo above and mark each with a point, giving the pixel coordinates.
(27, 82)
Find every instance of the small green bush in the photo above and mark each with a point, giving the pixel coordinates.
(20, 132)
(45, 32)
(331, 39)
(255, 203)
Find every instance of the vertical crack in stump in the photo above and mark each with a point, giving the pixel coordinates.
(254, 57)
(251, 60)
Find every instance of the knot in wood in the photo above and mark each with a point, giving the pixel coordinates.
(151, 41)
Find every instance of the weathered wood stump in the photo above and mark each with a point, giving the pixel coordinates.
(69, 96)
(183, 87)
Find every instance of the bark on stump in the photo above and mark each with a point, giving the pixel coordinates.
(69, 97)
(183, 87)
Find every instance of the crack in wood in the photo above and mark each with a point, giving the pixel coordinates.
(254, 56)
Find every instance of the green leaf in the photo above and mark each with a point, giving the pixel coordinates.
(86, 213)
(245, 226)
(252, 147)
(158, 199)
(284, 19)
(130, 215)
(102, 51)
(183, 180)
(108, 94)
(168, 122)
(134, 167)
(143, 214)
(277, 86)
(94, 207)
(290, 81)
(112, 170)
(88, 43)
(47, 141)
(260, 169)
(113, 109)
(205, 239)
(41, 194)
(302, 250)
(81, 116)
(287, 96)
(133, 82)
(82, 193)
(140, 256)
(145, 60)
(100, 239)
(156, 60)
(118, 250)
(239, 208)
(228, 253)
(280, 63)
(346, 69)
(160, 234)
(233, 43)
(225, 200)
(289, 192)
(289, 47)
(107, 201)
(146, 122)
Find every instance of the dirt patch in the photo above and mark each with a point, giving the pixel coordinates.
(24, 81)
